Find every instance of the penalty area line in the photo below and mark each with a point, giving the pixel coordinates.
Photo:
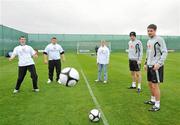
(94, 99)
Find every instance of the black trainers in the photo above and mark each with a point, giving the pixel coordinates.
(149, 102)
(154, 109)
(132, 87)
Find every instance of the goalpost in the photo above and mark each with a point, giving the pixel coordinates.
(89, 47)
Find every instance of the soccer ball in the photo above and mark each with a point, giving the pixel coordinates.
(69, 76)
(94, 115)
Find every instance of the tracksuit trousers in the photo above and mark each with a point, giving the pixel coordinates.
(54, 64)
(22, 73)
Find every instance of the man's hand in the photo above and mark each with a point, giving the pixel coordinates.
(36, 50)
(138, 62)
(145, 67)
(156, 66)
(63, 59)
(45, 62)
(35, 56)
(45, 59)
(10, 59)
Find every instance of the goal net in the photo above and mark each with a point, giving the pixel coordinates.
(89, 47)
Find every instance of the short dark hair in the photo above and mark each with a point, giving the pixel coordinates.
(132, 33)
(21, 37)
(53, 38)
(152, 26)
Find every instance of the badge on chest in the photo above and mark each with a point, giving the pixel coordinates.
(103, 51)
(54, 48)
(131, 46)
(23, 49)
(149, 46)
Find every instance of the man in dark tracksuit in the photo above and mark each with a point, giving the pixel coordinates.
(54, 53)
(96, 49)
(25, 54)
(155, 57)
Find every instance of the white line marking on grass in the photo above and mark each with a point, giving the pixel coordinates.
(94, 99)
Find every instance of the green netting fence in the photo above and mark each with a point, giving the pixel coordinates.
(9, 39)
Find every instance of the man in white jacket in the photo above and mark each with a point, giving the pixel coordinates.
(102, 61)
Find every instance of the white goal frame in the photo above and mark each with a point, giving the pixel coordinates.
(92, 46)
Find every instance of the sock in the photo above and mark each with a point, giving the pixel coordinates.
(133, 84)
(157, 104)
(139, 85)
(152, 98)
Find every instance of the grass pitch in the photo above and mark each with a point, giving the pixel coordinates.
(59, 105)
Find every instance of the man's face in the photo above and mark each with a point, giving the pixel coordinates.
(132, 37)
(151, 32)
(103, 43)
(53, 41)
(22, 41)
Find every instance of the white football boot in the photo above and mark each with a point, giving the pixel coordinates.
(59, 81)
(97, 80)
(15, 91)
(105, 81)
(49, 81)
(36, 90)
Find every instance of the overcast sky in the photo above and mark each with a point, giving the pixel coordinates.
(91, 16)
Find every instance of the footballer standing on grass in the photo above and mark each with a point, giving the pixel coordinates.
(54, 53)
(135, 57)
(25, 54)
(102, 61)
(155, 57)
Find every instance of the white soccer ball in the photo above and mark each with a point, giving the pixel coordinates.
(69, 76)
(94, 115)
